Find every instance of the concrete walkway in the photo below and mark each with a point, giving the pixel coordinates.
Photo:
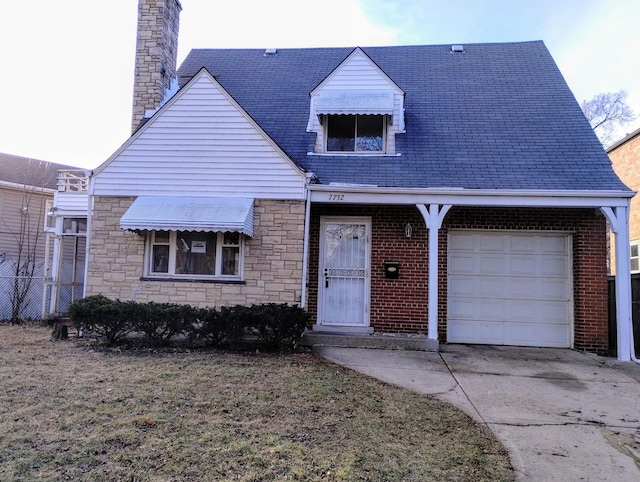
(563, 415)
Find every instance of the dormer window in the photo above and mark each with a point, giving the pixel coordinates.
(356, 110)
(355, 133)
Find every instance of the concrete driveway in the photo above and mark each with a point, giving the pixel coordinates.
(563, 415)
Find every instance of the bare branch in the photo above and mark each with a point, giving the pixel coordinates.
(607, 112)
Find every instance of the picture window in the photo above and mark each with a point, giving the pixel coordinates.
(195, 255)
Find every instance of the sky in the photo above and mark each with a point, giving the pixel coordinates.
(66, 66)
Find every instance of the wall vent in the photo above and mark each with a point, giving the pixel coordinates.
(457, 48)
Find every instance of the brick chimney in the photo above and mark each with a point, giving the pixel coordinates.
(156, 54)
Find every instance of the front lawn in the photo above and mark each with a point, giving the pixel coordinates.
(74, 410)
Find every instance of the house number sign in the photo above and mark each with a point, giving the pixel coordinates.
(336, 197)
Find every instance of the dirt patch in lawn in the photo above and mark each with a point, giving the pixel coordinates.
(73, 410)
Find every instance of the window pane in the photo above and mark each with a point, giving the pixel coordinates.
(231, 238)
(74, 225)
(161, 237)
(634, 250)
(230, 260)
(634, 265)
(196, 253)
(341, 131)
(160, 259)
(369, 135)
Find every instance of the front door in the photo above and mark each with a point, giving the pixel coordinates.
(344, 273)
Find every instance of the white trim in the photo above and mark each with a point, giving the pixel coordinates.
(172, 263)
(27, 187)
(619, 222)
(467, 197)
(635, 243)
(305, 252)
(433, 217)
(367, 221)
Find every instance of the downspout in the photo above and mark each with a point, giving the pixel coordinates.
(305, 244)
(88, 239)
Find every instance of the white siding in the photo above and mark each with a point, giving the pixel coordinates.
(359, 73)
(200, 144)
(72, 203)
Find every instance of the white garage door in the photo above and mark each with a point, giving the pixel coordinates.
(510, 288)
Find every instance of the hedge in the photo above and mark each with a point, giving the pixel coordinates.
(275, 325)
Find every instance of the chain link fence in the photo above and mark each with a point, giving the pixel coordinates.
(13, 288)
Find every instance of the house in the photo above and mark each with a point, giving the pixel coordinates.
(453, 191)
(27, 188)
(625, 158)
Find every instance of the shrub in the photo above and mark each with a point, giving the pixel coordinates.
(218, 327)
(162, 321)
(102, 316)
(277, 325)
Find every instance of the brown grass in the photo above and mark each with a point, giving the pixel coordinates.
(74, 410)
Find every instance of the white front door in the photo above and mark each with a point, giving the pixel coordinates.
(344, 273)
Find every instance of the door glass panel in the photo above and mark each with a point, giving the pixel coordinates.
(344, 274)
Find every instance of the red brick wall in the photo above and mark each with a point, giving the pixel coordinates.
(397, 305)
(401, 305)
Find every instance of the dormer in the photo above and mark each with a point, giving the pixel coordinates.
(357, 109)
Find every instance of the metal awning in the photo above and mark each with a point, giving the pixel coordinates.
(355, 102)
(189, 214)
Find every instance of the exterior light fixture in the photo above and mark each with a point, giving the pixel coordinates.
(408, 229)
(52, 211)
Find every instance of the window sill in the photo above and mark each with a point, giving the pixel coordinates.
(194, 280)
(353, 154)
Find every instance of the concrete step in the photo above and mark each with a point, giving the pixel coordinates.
(386, 341)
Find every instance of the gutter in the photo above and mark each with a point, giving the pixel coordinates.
(27, 187)
(305, 244)
(88, 238)
(457, 191)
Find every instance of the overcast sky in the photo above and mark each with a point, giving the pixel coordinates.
(67, 65)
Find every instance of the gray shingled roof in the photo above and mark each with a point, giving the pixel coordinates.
(30, 172)
(498, 116)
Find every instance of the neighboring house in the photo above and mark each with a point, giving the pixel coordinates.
(625, 158)
(27, 188)
(453, 191)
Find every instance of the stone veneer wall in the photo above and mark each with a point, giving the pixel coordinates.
(156, 54)
(272, 261)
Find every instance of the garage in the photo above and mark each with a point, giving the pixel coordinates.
(510, 288)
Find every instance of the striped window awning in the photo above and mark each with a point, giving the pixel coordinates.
(189, 214)
(377, 102)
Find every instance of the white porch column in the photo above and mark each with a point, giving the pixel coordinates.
(618, 218)
(433, 217)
